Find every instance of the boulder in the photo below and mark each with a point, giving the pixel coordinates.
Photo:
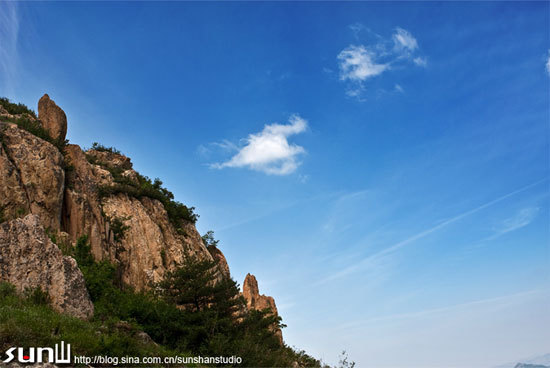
(29, 259)
(53, 118)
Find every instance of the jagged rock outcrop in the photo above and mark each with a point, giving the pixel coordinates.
(29, 259)
(52, 117)
(256, 301)
(32, 176)
(150, 246)
(218, 256)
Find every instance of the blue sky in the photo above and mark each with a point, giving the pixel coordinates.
(382, 168)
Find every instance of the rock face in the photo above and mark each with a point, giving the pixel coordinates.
(81, 206)
(218, 256)
(255, 301)
(32, 176)
(28, 259)
(150, 246)
(53, 118)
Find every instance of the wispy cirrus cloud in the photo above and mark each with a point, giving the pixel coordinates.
(420, 61)
(521, 219)
(9, 33)
(268, 151)
(498, 301)
(379, 257)
(548, 63)
(404, 41)
(359, 63)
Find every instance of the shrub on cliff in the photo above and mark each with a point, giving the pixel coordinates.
(35, 128)
(145, 187)
(16, 109)
(101, 148)
(118, 227)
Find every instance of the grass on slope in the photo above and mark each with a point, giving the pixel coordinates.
(28, 321)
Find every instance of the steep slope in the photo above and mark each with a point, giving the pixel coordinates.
(129, 220)
(150, 243)
(64, 190)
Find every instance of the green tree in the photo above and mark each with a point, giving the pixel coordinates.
(209, 241)
(197, 287)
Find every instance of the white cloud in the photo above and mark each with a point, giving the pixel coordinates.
(226, 145)
(357, 64)
(269, 151)
(404, 41)
(420, 61)
(548, 63)
(356, 28)
(356, 91)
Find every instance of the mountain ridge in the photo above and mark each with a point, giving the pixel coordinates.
(68, 195)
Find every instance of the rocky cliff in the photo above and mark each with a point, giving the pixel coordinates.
(151, 243)
(257, 301)
(51, 188)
